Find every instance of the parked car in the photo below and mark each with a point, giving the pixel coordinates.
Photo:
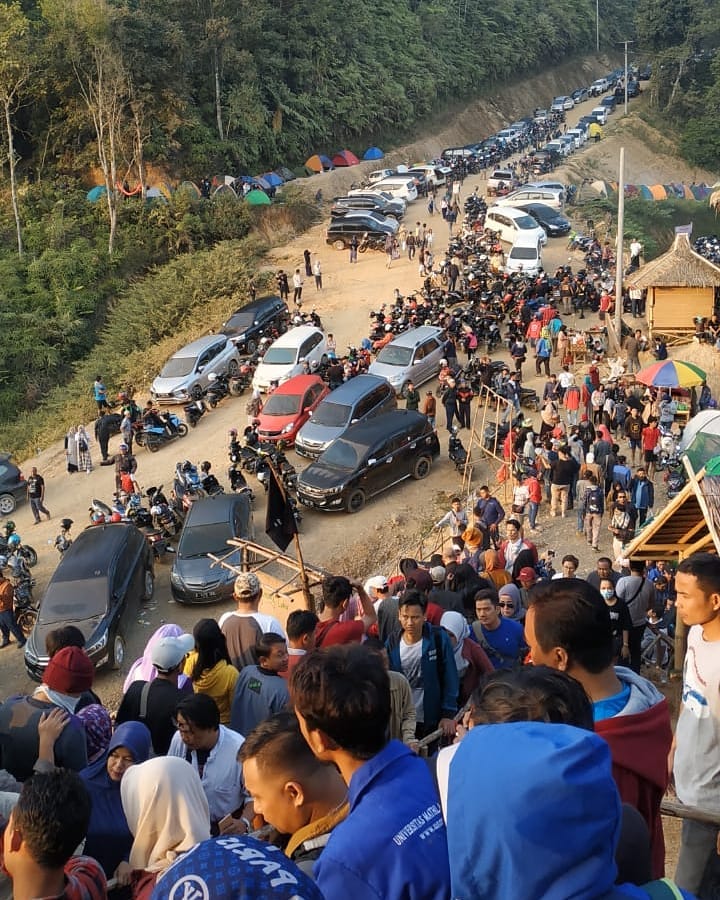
(210, 523)
(534, 194)
(645, 74)
(13, 487)
(414, 355)
(633, 88)
(525, 256)
(97, 586)
(580, 95)
(249, 323)
(400, 186)
(610, 102)
(562, 103)
(369, 458)
(186, 374)
(379, 174)
(357, 400)
(558, 147)
(370, 216)
(285, 356)
(579, 135)
(340, 231)
(289, 407)
(600, 114)
(435, 175)
(374, 202)
(554, 222)
(540, 115)
(509, 222)
(599, 86)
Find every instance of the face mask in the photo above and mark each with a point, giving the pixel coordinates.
(606, 593)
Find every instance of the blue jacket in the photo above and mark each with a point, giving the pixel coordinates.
(642, 493)
(559, 806)
(441, 685)
(393, 844)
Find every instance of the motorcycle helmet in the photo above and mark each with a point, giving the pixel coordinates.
(9, 527)
(123, 446)
(66, 524)
(3, 562)
(314, 365)
(443, 362)
(187, 466)
(116, 517)
(14, 540)
(98, 518)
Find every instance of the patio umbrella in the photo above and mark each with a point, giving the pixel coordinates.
(671, 373)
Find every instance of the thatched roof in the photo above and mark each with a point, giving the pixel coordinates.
(681, 266)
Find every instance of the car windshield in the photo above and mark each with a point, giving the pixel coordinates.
(279, 356)
(177, 366)
(526, 222)
(331, 414)
(204, 539)
(523, 253)
(342, 454)
(68, 602)
(282, 404)
(392, 355)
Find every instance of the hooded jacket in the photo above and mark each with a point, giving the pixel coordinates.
(218, 683)
(560, 810)
(640, 736)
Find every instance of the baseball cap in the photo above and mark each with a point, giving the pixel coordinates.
(247, 586)
(235, 868)
(169, 652)
(526, 573)
(379, 582)
(437, 573)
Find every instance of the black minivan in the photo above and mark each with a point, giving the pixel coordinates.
(256, 319)
(369, 458)
(97, 587)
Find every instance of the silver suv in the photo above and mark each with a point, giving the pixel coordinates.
(186, 374)
(413, 356)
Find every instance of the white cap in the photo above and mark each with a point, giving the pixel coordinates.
(169, 652)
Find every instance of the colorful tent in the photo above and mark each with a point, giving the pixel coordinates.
(96, 193)
(318, 163)
(262, 182)
(671, 373)
(632, 191)
(373, 153)
(273, 179)
(345, 158)
(256, 197)
(155, 193)
(658, 191)
(604, 188)
(645, 192)
(700, 191)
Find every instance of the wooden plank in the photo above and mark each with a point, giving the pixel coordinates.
(673, 807)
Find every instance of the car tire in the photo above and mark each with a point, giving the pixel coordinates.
(148, 585)
(338, 244)
(355, 501)
(196, 392)
(182, 429)
(8, 504)
(116, 651)
(233, 368)
(422, 467)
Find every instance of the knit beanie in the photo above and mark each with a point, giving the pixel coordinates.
(70, 671)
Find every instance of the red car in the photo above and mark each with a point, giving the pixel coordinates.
(289, 406)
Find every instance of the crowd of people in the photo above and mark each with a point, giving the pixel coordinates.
(386, 746)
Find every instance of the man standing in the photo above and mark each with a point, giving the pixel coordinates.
(342, 702)
(8, 623)
(36, 494)
(297, 287)
(126, 429)
(500, 637)
(260, 690)
(695, 753)
(642, 494)
(300, 626)
(125, 464)
(336, 593)
(100, 394)
(563, 472)
(632, 349)
(412, 397)
(488, 515)
(633, 431)
(429, 407)
(543, 352)
(593, 507)
(246, 623)
(638, 593)
(603, 570)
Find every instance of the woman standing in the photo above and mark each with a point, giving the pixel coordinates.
(493, 570)
(471, 660)
(620, 620)
(167, 813)
(83, 450)
(209, 667)
(109, 839)
(71, 450)
(510, 603)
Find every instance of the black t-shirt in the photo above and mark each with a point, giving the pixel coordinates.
(563, 471)
(35, 484)
(619, 618)
(163, 698)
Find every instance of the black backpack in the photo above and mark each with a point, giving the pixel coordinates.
(593, 500)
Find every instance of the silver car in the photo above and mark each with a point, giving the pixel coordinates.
(413, 356)
(187, 373)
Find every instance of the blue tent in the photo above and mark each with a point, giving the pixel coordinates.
(373, 153)
(96, 193)
(273, 179)
(262, 182)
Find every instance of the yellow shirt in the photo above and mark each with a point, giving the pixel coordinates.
(218, 683)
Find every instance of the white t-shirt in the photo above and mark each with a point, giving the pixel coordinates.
(697, 757)
(267, 623)
(411, 664)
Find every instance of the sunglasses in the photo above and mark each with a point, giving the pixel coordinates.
(507, 605)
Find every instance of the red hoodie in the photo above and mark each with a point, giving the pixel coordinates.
(639, 745)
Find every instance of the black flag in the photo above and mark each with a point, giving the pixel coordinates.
(280, 524)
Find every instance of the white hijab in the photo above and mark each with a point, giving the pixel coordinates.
(166, 811)
(457, 625)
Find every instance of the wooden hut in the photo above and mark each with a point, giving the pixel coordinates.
(681, 285)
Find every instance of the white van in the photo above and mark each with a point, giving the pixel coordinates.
(400, 186)
(436, 175)
(600, 114)
(511, 223)
(286, 355)
(530, 194)
(525, 257)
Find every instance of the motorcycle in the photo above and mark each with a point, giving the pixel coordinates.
(163, 515)
(187, 486)
(23, 583)
(63, 540)
(194, 412)
(154, 437)
(675, 477)
(13, 544)
(456, 451)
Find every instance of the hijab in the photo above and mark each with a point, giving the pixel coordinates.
(109, 839)
(492, 560)
(513, 592)
(166, 811)
(143, 669)
(457, 625)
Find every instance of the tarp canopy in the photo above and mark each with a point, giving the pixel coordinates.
(701, 438)
(345, 158)
(318, 163)
(373, 153)
(94, 194)
(256, 197)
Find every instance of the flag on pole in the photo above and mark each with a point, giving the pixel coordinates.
(280, 524)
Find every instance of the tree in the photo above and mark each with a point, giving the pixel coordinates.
(15, 72)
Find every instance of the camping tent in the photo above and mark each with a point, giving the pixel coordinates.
(285, 173)
(189, 188)
(261, 181)
(318, 163)
(345, 158)
(96, 193)
(223, 190)
(604, 188)
(373, 153)
(256, 197)
(273, 179)
(155, 193)
(658, 191)
(701, 438)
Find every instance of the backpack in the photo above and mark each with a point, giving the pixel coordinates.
(242, 634)
(593, 500)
